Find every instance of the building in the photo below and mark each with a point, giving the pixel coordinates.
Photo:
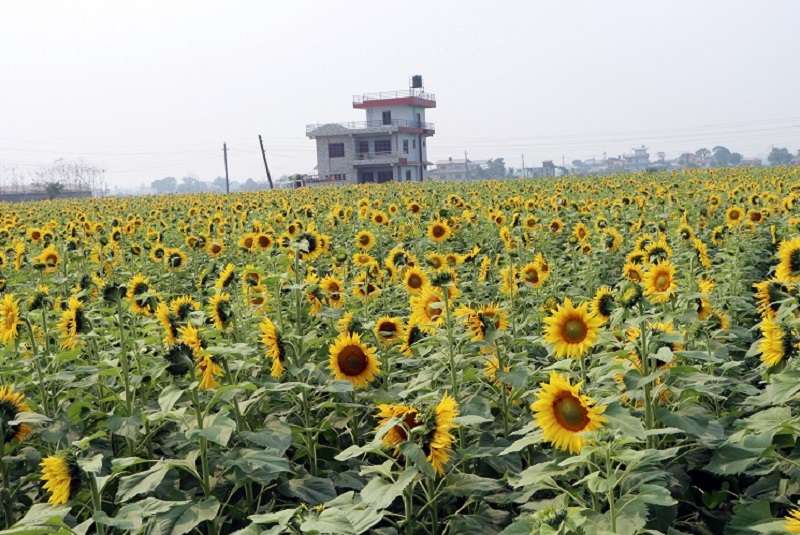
(458, 169)
(390, 144)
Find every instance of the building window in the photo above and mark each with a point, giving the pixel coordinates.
(335, 150)
(387, 117)
(384, 176)
(362, 147)
(405, 146)
(383, 145)
(414, 143)
(408, 174)
(419, 120)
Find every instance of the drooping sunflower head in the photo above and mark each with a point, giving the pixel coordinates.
(564, 414)
(659, 282)
(412, 335)
(61, 477)
(769, 294)
(11, 404)
(168, 322)
(73, 322)
(175, 259)
(333, 288)
(180, 358)
(788, 269)
(571, 330)
(484, 321)
(226, 277)
(220, 310)
(273, 345)
(49, 259)
(406, 418)
(182, 306)
(139, 295)
(352, 360)
(658, 251)
(438, 444)
(9, 318)
(603, 303)
(777, 342)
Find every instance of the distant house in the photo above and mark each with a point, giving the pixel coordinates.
(390, 144)
(458, 169)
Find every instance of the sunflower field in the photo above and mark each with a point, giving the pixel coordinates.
(597, 356)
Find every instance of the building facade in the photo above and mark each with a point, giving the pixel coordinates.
(390, 144)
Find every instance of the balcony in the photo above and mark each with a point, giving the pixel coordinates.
(367, 127)
(403, 97)
(376, 158)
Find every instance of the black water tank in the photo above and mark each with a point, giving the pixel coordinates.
(416, 81)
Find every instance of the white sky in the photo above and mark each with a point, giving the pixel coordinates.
(149, 89)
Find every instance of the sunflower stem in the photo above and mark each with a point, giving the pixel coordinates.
(38, 365)
(97, 505)
(611, 484)
(450, 343)
(648, 388)
(5, 491)
(126, 372)
(206, 478)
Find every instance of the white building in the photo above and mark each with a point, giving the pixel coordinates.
(458, 169)
(390, 144)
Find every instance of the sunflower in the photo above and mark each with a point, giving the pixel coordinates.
(531, 276)
(415, 280)
(564, 414)
(406, 417)
(365, 240)
(427, 309)
(72, 323)
(776, 343)
(364, 287)
(571, 330)
(352, 360)
(226, 277)
(733, 216)
(9, 318)
(182, 306)
(603, 303)
(440, 442)
(439, 231)
(788, 269)
(309, 245)
(189, 335)
(250, 276)
(334, 290)
(61, 477)
(580, 231)
(219, 307)
(209, 369)
(388, 330)
(659, 282)
(168, 323)
(658, 251)
(138, 290)
(180, 358)
(792, 521)
(483, 321)
(509, 280)
(556, 225)
(271, 339)
(11, 404)
(411, 336)
(214, 248)
(175, 259)
(49, 259)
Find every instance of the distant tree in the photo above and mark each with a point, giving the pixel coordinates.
(703, 154)
(164, 185)
(219, 183)
(190, 184)
(496, 168)
(721, 156)
(736, 158)
(53, 189)
(779, 156)
(686, 159)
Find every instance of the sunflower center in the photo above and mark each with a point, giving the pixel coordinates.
(794, 261)
(570, 413)
(574, 331)
(662, 282)
(364, 240)
(438, 231)
(415, 281)
(433, 310)
(352, 360)
(387, 329)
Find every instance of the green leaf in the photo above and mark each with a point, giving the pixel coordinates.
(141, 483)
(746, 515)
(735, 458)
(459, 484)
(92, 465)
(380, 493)
(217, 429)
(537, 474)
(184, 518)
(656, 495)
(275, 435)
(312, 490)
(262, 466)
(281, 517)
(621, 419)
(169, 397)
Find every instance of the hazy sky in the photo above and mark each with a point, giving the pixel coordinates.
(149, 89)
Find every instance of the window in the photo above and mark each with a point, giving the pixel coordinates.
(384, 176)
(336, 177)
(387, 117)
(335, 150)
(383, 145)
(419, 120)
(408, 175)
(405, 146)
(362, 147)
(414, 143)
(366, 176)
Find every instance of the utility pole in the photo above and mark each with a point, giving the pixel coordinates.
(466, 167)
(524, 173)
(225, 157)
(264, 156)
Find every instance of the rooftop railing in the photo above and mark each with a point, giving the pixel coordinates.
(385, 95)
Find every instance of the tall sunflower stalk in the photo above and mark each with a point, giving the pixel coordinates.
(37, 363)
